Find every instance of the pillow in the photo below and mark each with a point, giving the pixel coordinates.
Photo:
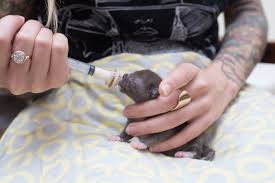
(63, 136)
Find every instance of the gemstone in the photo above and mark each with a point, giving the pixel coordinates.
(19, 57)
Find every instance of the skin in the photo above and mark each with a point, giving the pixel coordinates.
(141, 89)
(242, 48)
(47, 67)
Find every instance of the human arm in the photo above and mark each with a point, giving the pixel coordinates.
(211, 89)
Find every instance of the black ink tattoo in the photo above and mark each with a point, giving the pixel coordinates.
(245, 40)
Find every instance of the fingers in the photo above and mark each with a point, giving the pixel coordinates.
(152, 107)
(169, 120)
(59, 70)
(41, 60)
(47, 67)
(193, 130)
(198, 87)
(24, 41)
(181, 76)
(195, 89)
(9, 25)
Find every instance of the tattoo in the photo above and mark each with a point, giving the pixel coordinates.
(245, 40)
(26, 8)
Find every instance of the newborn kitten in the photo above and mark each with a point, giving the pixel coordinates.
(142, 86)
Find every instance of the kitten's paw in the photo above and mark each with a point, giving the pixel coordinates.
(182, 154)
(138, 145)
(115, 138)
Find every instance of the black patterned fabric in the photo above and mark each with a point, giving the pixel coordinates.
(98, 28)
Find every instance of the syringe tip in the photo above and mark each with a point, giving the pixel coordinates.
(114, 81)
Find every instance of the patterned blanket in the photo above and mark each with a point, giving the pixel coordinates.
(63, 136)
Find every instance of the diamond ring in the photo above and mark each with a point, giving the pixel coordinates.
(19, 57)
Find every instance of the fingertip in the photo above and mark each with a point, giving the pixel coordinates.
(21, 18)
(131, 130)
(61, 36)
(124, 112)
(129, 111)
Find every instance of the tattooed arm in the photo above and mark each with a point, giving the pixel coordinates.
(26, 8)
(245, 40)
(211, 89)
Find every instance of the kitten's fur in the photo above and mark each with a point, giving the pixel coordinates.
(142, 86)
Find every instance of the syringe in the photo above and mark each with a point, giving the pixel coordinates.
(111, 78)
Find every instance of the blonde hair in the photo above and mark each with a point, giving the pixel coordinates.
(52, 15)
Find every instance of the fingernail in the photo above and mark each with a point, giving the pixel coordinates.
(166, 88)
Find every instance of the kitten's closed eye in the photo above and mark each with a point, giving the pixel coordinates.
(154, 93)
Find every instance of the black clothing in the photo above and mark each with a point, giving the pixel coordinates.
(98, 28)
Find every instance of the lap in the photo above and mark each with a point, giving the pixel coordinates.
(63, 137)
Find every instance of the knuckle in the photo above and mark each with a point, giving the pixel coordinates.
(42, 43)
(9, 17)
(23, 38)
(203, 85)
(60, 47)
(46, 31)
(34, 22)
(61, 37)
(206, 103)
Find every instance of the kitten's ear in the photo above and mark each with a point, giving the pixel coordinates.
(154, 93)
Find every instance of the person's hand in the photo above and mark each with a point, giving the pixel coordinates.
(211, 93)
(47, 67)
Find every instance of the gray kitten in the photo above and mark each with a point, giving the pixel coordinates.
(142, 86)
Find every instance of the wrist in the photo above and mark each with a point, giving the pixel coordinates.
(231, 87)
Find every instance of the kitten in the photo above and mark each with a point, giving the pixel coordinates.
(142, 86)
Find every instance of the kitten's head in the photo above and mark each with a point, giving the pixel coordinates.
(141, 85)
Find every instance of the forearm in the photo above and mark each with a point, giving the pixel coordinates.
(26, 8)
(244, 42)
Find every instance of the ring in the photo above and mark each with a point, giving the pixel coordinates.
(19, 57)
(184, 99)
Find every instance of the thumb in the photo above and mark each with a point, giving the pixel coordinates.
(178, 78)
